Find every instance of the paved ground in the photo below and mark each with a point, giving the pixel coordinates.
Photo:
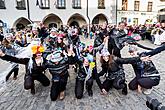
(14, 97)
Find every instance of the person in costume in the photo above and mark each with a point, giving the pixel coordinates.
(35, 67)
(9, 47)
(85, 75)
(114, 72)
(147, 76)
(51, 40)
(58, 64)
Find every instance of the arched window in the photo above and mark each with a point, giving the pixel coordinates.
(20, 26)
(51, 25)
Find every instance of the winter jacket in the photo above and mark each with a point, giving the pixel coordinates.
(58, 69)
(145, 69)
(154, 51)
(34, 70)
(115, 71)
(55, 69)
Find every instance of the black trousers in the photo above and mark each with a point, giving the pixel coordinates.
(14, 70)
(147, 83)
(116, 83)
(42, 78)
(58, 86)
(79, 87)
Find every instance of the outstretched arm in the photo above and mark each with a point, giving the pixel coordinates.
(13, 59)
(131, 60)
(141, 46)
(154, 52)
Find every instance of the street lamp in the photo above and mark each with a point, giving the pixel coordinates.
(88, 17)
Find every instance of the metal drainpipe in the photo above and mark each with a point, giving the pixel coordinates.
(28, 10)
(88, 17)
(116, 10)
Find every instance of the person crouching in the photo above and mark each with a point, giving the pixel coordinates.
(35, 67)
(147, 76)
(58, 63)
(85, 75)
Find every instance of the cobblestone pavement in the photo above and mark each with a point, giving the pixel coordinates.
(13, 96)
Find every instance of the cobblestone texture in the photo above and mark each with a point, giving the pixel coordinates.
(14, 97)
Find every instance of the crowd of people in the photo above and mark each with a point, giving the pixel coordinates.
(40, 49)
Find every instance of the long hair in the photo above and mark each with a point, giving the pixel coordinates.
(6, 43)
(110, 62)
(62, 44)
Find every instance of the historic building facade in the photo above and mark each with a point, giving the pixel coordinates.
(137, 11)
(161, 10)
(20, 13)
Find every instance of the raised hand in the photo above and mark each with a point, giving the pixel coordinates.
(104, 92)
(1, 53)
(146, 58)
(106, 39)
(64, 52)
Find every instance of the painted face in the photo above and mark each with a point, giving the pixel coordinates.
(163, 24)
(53, 33)
(106, 58)
(59, 40)
(132, 53)
(38, 55)
(86, 62)
(35, 32)
(56, 63)
(8, 39)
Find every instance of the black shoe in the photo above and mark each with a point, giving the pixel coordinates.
(32, 91)
(125, 91)
(14, 78)
(90, 93)
(7, 78)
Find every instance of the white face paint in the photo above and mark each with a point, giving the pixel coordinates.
(8, 39)
(38, 55)
(59, 40)
(106, 58)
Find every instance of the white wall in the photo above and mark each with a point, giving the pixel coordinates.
(11, 14)
(142, 14)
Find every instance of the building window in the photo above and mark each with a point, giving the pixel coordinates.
(44, 4)
(135, 21)
(136, 5)
(60, 4)
(149, 8)
(76, 4)
(124, 19)
(20, 4)
(101, 4)
(124, 5)
(2, 4)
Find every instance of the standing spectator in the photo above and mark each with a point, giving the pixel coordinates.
(1, 36)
